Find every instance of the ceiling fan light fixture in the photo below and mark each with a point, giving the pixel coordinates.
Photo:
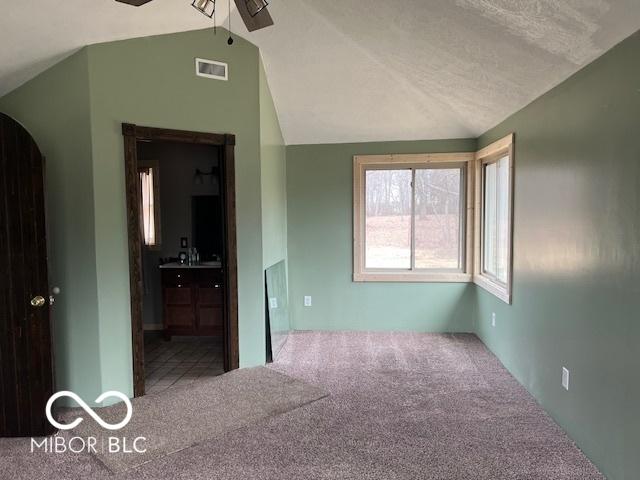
(256, 6)
(205, 7)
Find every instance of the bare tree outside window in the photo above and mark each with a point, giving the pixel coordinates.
(414, 219)
(438, 218)
(388, 219)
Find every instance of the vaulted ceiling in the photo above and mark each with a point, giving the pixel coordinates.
(351, 71)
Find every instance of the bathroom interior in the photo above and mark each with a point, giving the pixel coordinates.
(182, 268)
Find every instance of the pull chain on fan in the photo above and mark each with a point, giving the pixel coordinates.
(230, 39)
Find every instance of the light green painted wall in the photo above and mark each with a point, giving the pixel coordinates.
(576, 292)
(274, 214)
(273, 167)
(151, 82)
(54, 107)
(320, 206)
(75, 111)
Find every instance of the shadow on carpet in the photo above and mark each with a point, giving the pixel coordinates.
(184, 416)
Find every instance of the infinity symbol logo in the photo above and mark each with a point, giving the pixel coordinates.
(89, 410)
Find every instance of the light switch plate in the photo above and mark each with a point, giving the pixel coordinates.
(493, 319)
(565, 378)
(273, 302)
(307, 301)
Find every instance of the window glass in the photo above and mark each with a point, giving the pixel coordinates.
(388, 219)
(422, 217)
(496, 219)
(438, 218)
(147, 206)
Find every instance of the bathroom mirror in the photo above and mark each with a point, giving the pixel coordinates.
(206, 224)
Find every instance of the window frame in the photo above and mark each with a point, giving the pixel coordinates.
(362, 163)
(154, 165)
(488, 155)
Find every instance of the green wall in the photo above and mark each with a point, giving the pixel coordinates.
(75, 111)
(54, 107)
(577, 258)
(273, 177)
(274, 215)
(151, 82)
(320, 225)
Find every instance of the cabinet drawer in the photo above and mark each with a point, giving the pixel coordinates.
(175, 278)
(208, 277)
(178, 296)
(179, 316)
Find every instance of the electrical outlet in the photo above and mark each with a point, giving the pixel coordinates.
(307, 301)
(273, 302)
(565, 378)
(493, 319)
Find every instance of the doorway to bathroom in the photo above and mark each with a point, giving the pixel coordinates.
(180, 189)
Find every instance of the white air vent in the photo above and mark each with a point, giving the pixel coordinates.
(212, 69)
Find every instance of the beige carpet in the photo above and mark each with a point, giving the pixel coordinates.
(402, 406)
(181, 417)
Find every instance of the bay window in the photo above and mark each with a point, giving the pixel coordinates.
(444, 217)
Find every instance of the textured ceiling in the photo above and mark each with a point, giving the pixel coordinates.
(36, 34)
(350, 70)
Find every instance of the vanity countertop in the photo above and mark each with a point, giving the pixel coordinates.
(186, 266)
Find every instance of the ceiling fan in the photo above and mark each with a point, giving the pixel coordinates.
(254, 13)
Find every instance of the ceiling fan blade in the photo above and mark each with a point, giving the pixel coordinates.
(261, 20)
(135, 3)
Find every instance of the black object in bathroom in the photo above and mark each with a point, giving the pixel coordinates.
(206, 211)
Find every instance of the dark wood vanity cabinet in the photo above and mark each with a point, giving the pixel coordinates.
(193, 301)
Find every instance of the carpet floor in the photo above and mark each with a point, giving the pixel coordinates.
(182, 416)
(400, 406)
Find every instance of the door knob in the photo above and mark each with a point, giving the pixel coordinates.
(38, 301)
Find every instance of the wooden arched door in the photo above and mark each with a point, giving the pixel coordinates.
(26, 367)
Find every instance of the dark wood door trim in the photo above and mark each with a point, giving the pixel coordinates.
(232, 356)
(132, 135)
(135, 261)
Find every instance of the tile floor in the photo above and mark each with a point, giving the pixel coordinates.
(180, 361)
